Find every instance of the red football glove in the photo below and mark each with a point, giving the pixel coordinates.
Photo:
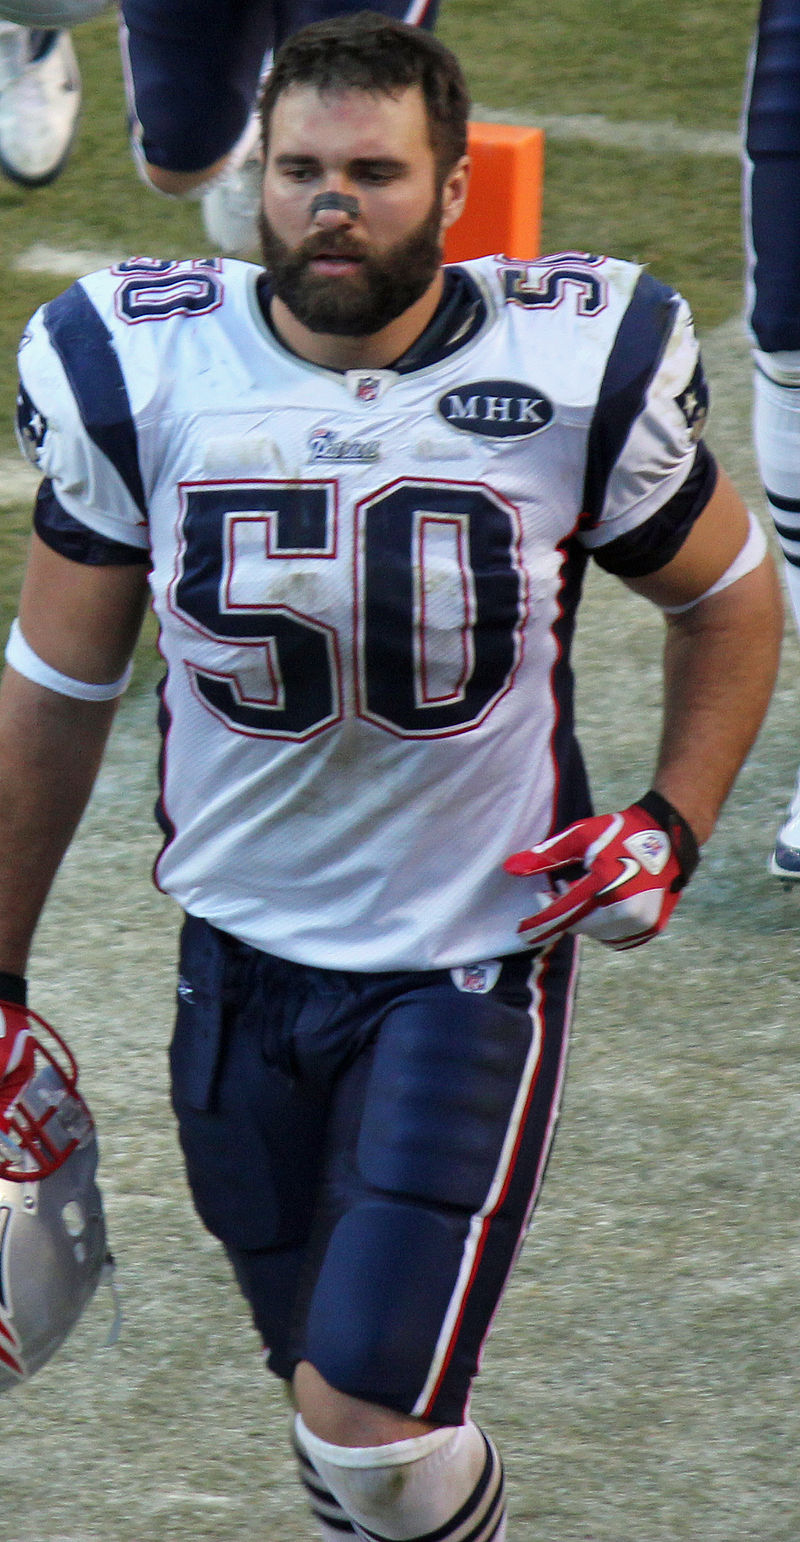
(17, 1056)
(634, 866)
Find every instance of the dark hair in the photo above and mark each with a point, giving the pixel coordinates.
(369, 52)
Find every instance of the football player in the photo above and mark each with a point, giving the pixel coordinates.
(192, 71)
(772, 237)
(362, 492)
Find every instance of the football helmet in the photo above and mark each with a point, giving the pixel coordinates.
(51, 13)
(52, 1228)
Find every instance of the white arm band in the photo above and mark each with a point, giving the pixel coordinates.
(749, 557)
(20, 655)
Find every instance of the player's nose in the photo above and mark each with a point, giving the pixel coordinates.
(332, 209)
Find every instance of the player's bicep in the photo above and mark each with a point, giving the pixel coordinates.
(712, 545)
(82, 620)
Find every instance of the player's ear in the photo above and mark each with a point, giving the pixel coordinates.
(454, 192)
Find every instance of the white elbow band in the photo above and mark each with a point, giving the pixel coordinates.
(20, 655)
(748, 558)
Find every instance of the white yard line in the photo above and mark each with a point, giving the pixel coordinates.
(657, 138)
(18, 480)
(41, 258)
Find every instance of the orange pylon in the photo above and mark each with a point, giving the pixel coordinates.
(504, 207)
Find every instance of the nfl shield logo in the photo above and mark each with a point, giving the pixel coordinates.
(478, 979)
(368, 388)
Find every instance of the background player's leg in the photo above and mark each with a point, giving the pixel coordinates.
(191, 76)
(772, 236)
(40, 99)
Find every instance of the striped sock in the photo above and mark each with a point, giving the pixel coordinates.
(333, 1524)
(447, 1485)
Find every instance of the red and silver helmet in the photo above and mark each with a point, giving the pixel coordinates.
(52, 1228)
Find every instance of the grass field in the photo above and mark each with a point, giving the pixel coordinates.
(642, 1379)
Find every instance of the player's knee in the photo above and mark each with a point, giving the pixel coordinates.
(179, 184)
(347, 1421)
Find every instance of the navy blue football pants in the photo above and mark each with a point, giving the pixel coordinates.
(192, 67)
(369, 1149)
(772, 177)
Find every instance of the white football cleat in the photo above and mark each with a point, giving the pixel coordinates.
(231, 203)
(40, 98)
(785, 859)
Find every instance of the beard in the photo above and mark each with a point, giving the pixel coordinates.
(353, 305)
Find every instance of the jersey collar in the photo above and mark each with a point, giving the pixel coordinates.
(459, 315)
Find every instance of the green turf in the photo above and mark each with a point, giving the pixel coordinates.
(657, 214)
(639, 59)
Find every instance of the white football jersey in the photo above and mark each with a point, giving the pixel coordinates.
(366, 582)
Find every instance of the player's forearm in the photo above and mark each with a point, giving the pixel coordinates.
(720, 663)
(50, 750)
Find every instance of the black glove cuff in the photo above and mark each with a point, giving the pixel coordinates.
(681, 835)
(14, 988)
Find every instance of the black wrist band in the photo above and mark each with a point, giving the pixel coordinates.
(14, 988)
(680, 834)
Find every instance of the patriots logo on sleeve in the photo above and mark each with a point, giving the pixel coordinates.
(31, 425)
(693, 402)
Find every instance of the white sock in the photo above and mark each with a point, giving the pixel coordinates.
(776, 434)
(449, 1481)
